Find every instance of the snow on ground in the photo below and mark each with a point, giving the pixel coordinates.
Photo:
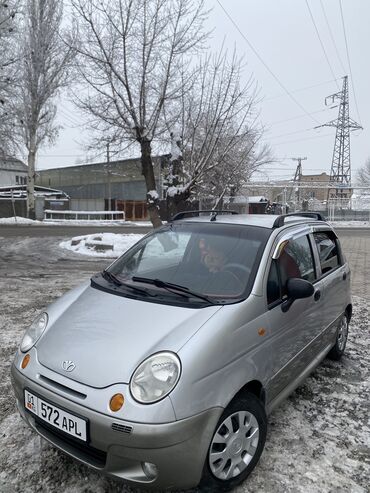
(70, 222)
(350, 224)
(96, 244)
(18, 220)
(317, 442)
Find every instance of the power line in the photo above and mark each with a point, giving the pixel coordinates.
(301, 140)
(297, 117)
(321, 43)
(265, 64)
(306, 88)
(348, 59)
(332, 37)
(291, 133)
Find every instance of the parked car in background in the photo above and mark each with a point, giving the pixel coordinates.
(163, 368)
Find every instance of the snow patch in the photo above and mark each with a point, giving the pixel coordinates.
(101, 244)
(17, 220)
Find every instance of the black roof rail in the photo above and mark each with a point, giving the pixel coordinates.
(280, 220)
(213, 214)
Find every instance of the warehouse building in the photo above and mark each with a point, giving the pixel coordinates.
(117, 185)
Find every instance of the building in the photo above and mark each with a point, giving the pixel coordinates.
(12, 171)
(321, 180)
(117, 185)
(13, 201)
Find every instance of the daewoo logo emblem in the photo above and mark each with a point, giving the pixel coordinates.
(68, 365)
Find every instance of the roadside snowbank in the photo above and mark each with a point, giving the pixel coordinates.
(18, 220)
(70, 222)
(350, 224)
(101, 244)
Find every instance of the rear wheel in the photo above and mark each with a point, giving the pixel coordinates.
(340, 343)
(236, 445)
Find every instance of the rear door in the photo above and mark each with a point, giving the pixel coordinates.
(335, 279)
(293, 331)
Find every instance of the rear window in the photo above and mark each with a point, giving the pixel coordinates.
(327, 246)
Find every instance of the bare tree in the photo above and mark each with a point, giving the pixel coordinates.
(217, 120)
(8, 25)
(131, 53)
(363, 174)
(44, 68)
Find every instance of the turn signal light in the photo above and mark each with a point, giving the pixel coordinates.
(116, 402)
(25, 361)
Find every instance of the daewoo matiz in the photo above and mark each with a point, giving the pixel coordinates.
(161, 369)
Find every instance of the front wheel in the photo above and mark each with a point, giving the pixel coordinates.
(337, 350)
(236, 445)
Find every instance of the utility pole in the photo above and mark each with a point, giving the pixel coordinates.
(298, 175)
(340, 173)
(297, 178)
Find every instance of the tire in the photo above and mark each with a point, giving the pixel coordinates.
(337, 350)
(232, 457)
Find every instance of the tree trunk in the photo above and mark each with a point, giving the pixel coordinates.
(31, 214)
(177, 203)
(148, 173)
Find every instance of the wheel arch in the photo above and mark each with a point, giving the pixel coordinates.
(254, 387)
(349, 311)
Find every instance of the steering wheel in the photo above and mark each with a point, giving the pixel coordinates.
(238, 267)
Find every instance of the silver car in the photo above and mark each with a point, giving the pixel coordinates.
(161, 370)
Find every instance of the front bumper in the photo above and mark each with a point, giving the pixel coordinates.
(177, 449)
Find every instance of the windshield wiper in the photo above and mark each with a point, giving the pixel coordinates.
(109, 276)
(174, 288)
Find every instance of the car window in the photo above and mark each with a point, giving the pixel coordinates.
(327, 247)
(295, 260)
(216, 260)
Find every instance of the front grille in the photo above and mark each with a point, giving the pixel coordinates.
(122, 428)
(80, 449)
(61, 387)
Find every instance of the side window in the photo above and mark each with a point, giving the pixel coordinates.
(295, 260)
(328, 251)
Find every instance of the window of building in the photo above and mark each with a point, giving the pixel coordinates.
(17, 179)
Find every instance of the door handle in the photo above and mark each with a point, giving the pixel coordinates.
(344, 276)
(317, 295)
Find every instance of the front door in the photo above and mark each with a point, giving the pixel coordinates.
(292, 331)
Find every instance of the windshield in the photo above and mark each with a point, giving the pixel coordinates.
(209, 262)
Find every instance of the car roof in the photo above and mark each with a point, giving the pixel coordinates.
(261, 220)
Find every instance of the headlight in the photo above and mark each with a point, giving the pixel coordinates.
(155, 377)
(34, 332)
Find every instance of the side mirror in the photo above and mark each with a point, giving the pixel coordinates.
(297, 289)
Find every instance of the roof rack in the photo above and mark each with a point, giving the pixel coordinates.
(280, 220)
(213, 214)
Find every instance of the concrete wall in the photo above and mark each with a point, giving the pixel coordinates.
(87, 204)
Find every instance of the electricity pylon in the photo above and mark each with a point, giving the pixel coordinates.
(341, 163)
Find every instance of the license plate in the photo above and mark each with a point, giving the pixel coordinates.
(54, 416)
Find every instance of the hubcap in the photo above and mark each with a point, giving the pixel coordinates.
(342, 333)
(234, 445)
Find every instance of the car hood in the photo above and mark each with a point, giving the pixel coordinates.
(107, 336)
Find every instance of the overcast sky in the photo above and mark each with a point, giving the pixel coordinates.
(287, 58)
